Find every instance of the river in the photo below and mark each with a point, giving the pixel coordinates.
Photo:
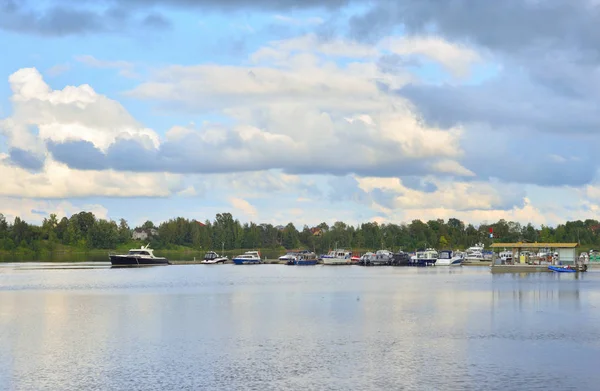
(86, 326)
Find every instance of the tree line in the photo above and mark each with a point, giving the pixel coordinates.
(83, 230)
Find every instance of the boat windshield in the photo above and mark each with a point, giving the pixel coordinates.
(138, 252)
(445, 255)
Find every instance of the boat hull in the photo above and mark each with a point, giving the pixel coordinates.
(449, 262)
(119, 260)
(305, 262)
(560, 269)
(336, 261)
(214, 261)
(238, 261)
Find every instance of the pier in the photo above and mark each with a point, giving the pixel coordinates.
(520, 260)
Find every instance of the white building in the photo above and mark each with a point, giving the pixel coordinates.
(143, 234)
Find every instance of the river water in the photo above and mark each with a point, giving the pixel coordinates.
(276, 327)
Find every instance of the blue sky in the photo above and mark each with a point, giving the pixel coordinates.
(300, 111)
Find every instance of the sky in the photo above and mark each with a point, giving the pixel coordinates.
(301, 111)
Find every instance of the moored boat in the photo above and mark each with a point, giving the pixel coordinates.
(562, 269)
(305, 259)
(290, 257)
(338, 257)
(211, 258)
(365, 259)
(143, 256)
(248, 258)
(425, 257)
(400, 259)
(449, 258)
(380, 258)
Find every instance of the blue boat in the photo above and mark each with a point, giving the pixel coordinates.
(305, 262)
(304, 259)
(248, 258)
(561, 269)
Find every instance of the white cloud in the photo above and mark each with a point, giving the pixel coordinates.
(73, 113)
(290, 113)
(56, 180)
(288, 20)
(453, 195)
(456, 58)
(125, 68)
(34, 211)
(58, 69)
(244, 207)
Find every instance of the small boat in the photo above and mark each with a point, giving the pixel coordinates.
(380, 258)
(400, 259)
(366, 258)
(425, 257)
(305, 259)
(338, 257)
(562, 269)
(211, 258)
(143, 256)
(449, 258)
(248, 258)
(475, 253)
(290, 256)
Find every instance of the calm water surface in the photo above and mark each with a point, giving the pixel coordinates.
(275, 327)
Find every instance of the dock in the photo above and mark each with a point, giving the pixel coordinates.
(564, 254)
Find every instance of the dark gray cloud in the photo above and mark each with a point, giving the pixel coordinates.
(65, 17)
(508, 25)
(420, 184)
(507, 102)
(156, 21)
(25, 159)
(191, 153)
(79, 154)
(529, 158)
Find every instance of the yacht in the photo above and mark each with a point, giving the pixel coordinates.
(291, 256)
(449, 258)
(304, 259)
(366, 258)
(425, 257)
(212, 258)
(248, 258)
(338, 257)
(382, 257)
(400, 259)
(475, 253)
(143, 256)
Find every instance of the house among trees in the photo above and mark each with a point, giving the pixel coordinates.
(316, 231)
(143, 233)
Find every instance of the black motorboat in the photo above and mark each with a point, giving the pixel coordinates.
(143, 256)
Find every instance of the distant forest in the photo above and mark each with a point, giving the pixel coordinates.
(84, 231)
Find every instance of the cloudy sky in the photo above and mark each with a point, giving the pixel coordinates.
(302, 111)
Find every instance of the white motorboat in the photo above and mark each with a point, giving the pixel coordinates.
(476, 253)
(449, 258)
(338, 257)
(291, 256)
(248, 258)
(211, 258)
(425, 257)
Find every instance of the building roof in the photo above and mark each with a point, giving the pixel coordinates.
(534, 245)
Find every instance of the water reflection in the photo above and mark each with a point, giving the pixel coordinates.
(278, 327)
